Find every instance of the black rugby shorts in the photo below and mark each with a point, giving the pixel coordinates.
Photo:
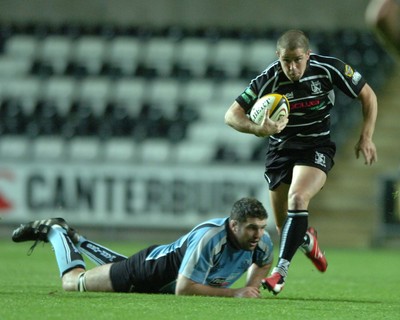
(131, 275)
(280, 163)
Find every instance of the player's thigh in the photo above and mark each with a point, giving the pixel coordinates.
(306, 183)
(98, 279)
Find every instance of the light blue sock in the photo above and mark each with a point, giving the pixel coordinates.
(67, 255)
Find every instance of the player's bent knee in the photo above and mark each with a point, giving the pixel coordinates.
(69, 285)
(298, 200)
(74, 281)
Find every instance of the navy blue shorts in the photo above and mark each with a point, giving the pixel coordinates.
(280, 164)
(138, 274)
(130, 275)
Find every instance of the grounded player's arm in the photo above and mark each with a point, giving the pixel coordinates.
(255, 274)
(370, 111)
(187, 287)
(236, 118)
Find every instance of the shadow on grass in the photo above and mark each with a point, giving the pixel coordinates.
(329, 300)
(103, 295)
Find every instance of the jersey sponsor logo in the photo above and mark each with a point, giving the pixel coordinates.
(320, 159)
(248, 95)
(316, 87)
(348, 71)
(218, 282)
(304, 104)
(356, 78)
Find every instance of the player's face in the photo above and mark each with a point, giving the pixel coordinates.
(293, 62)
(249, 233)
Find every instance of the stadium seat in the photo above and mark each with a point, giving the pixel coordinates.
(192, 56)
(48, 148)
(155, 151)
(11, 66)
(221, 134)
(84, 149)
(54, 53)
(87, 56)
(120, 149)
(191, 153)
(196, 92)
(158, 56)
(95, 91)
(163, 95)
(15, 147)
(123, 57)
(213, 112)
(162, 91)
(238, 151)
(259, 54)
(25, 90)
(227, 58)
(243, 144)
(61, 91)
(227, 91)
(129, 93)
(205, 131)
(21, 46)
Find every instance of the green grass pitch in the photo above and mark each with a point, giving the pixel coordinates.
(359, 284)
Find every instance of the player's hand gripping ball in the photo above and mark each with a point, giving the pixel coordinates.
(277, 104)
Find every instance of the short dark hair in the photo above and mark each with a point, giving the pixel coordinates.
(248, 208)
(292, 40)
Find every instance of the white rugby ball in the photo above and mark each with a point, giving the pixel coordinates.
(277, 104)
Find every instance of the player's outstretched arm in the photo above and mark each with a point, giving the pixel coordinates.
(255, 274)
(365, 145)
(185, 286)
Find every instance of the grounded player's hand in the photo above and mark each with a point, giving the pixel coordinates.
(248, 292)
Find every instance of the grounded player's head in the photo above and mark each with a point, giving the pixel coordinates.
(292, 40)
(248, 208)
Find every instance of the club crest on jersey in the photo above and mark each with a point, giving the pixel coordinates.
(348, 71)
(316, 87)
(289, 95)
(320, 159)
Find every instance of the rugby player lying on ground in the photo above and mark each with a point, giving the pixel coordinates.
(205, 261)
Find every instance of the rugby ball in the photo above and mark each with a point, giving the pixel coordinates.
(277, 104)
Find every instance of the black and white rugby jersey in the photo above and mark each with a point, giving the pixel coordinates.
(311, 99)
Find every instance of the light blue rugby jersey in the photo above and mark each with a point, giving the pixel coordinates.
(210, 258)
